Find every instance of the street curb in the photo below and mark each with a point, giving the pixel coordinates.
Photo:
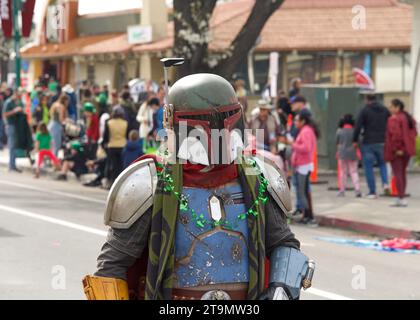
(44, 172)
(26, 169)
(368, 228)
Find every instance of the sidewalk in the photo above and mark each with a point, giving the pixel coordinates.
(373, 217)
(24, 165)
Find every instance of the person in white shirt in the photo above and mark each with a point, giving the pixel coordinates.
(145, 117)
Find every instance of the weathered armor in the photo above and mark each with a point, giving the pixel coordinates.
(211, 260)
(132, 193)
(212, 256)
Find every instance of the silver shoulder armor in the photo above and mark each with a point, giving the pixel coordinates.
(277, 184)
(131, 194)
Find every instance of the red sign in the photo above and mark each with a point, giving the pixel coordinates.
(27, 14)
(6, 17)
(362, 79)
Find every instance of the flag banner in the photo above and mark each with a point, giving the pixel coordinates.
(6, 17)
(27, 14)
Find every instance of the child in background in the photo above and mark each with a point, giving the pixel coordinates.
(43, 147)
(133, 149)
(347, 155)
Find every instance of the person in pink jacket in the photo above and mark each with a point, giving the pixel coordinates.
(302, 161)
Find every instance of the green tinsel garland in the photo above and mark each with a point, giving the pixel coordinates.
(199, 219)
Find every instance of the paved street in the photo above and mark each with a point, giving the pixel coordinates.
(48, 227)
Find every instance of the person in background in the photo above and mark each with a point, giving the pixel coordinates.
(83, 87)
(98, 166)
(241, 93)
(43, 148)
(145, 117)
(297, 103)
(58, 114)
(41, 112)
(114, 98)
(302, 161)
(130, 113)
(158, 130)
(35, 97)
(295, 88)
(54, 97)
(133, 149)
(75, 162)
(283, 107)
(72, 107)
(92, 129)
(2, 133)
(115, 139)
(12, 108)
(102, 100)
(400, 146)
(373, 119)
(347, 156)
(267, 122)
(86, 95)
(53, 86)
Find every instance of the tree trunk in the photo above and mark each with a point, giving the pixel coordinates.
(247, 37)
(192, 29)
(192, 36)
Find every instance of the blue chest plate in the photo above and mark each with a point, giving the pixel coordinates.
(206, 256)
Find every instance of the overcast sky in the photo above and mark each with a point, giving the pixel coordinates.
(96, 6)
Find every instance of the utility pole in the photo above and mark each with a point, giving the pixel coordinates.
(16, 4)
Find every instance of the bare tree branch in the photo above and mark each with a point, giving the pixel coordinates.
(192, 33)
(246, 38)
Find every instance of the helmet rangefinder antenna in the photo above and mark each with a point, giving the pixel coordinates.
(167, 63)
(169, 109)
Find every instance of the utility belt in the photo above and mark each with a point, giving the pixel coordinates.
(185, 294)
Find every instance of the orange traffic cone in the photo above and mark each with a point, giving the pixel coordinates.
(314, 174)
(394, 191)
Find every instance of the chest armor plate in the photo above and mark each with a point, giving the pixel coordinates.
(206, 256)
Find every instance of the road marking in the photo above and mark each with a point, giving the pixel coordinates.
(326, 294)
(56, 221)
(79, 227)
(59, 193)
(307, 244)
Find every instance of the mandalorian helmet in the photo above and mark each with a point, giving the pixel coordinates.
(206, 120)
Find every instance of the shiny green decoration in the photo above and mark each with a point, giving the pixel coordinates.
(199, 219)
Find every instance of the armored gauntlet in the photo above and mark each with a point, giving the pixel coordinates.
(101, 288)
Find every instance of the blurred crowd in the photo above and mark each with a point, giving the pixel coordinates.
(95, 130)
(89, 131)
(377, 136)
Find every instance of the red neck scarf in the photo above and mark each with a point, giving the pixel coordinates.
(201, 176)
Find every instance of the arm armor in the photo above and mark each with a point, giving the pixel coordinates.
(277, 184)
(100, 288)
(290, 269)
(131, 195)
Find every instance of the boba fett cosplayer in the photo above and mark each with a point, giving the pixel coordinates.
(205, 221)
